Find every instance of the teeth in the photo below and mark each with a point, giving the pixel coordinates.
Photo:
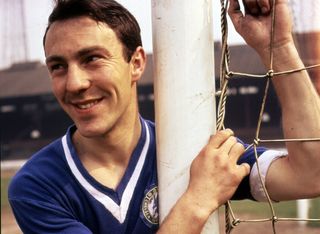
(88, 105)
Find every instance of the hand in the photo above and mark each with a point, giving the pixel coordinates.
(255, 25)
(214, 174)
(214, 177)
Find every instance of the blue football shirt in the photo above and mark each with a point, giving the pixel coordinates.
(54, 193)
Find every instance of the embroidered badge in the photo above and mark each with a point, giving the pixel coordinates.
(150, 206)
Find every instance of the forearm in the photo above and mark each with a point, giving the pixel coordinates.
(299, 101)
(186, 217)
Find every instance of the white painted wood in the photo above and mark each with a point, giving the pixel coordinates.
(184, 93)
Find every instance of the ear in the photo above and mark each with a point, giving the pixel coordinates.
(138, 63)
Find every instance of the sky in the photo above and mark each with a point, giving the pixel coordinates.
(37, 11)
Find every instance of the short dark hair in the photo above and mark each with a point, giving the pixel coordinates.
(117, 17)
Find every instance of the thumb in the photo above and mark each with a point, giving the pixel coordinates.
(244, 169)
(235, 13)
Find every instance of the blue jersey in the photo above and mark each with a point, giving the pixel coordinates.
(54, 193)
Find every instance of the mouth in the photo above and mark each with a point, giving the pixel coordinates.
(85, 105)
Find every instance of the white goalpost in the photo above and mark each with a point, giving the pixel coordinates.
(183, 48)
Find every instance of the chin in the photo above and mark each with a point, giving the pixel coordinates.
(90, 131)
(93, 130)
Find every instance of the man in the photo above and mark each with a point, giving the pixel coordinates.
(97, 178)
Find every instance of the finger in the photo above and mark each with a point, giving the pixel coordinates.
(228, 144)
(220, 137)
(264, 6)
(236, 151)
(244, 169)
(235, 13)
(251, 7)
(234, 5)
(234, 8)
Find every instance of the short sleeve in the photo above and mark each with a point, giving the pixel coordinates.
(40, 217)
(264, 162)
(244, 191)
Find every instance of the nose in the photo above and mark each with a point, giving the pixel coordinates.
(77, 79)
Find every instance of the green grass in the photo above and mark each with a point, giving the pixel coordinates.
(282, 210)
(315, 212)
(262, 209)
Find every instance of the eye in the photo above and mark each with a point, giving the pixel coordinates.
(92, 58)
(56, 68)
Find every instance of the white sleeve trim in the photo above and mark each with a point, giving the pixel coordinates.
(264, 162)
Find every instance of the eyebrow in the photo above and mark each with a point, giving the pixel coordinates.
(79, 54)
(54, 58)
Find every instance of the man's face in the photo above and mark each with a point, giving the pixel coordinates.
(90, 77)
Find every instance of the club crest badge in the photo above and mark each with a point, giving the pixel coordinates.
(150, 206)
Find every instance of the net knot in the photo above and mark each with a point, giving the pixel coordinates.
(235, 222)
(270, 74)
(229, 75)
(256, 141)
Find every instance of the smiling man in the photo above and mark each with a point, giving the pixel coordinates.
(101, 176)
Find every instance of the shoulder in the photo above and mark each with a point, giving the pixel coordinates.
(39, 172)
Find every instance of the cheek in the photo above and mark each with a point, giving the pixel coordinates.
(112, 79)
(125, 86)
(57, 88)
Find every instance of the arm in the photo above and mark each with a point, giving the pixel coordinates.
(35, 205)
(294, 176)
(208, 187)
(41, 217)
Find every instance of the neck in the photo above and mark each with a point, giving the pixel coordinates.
(115, 147)
(107, 158)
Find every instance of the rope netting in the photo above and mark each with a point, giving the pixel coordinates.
(225, 76)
